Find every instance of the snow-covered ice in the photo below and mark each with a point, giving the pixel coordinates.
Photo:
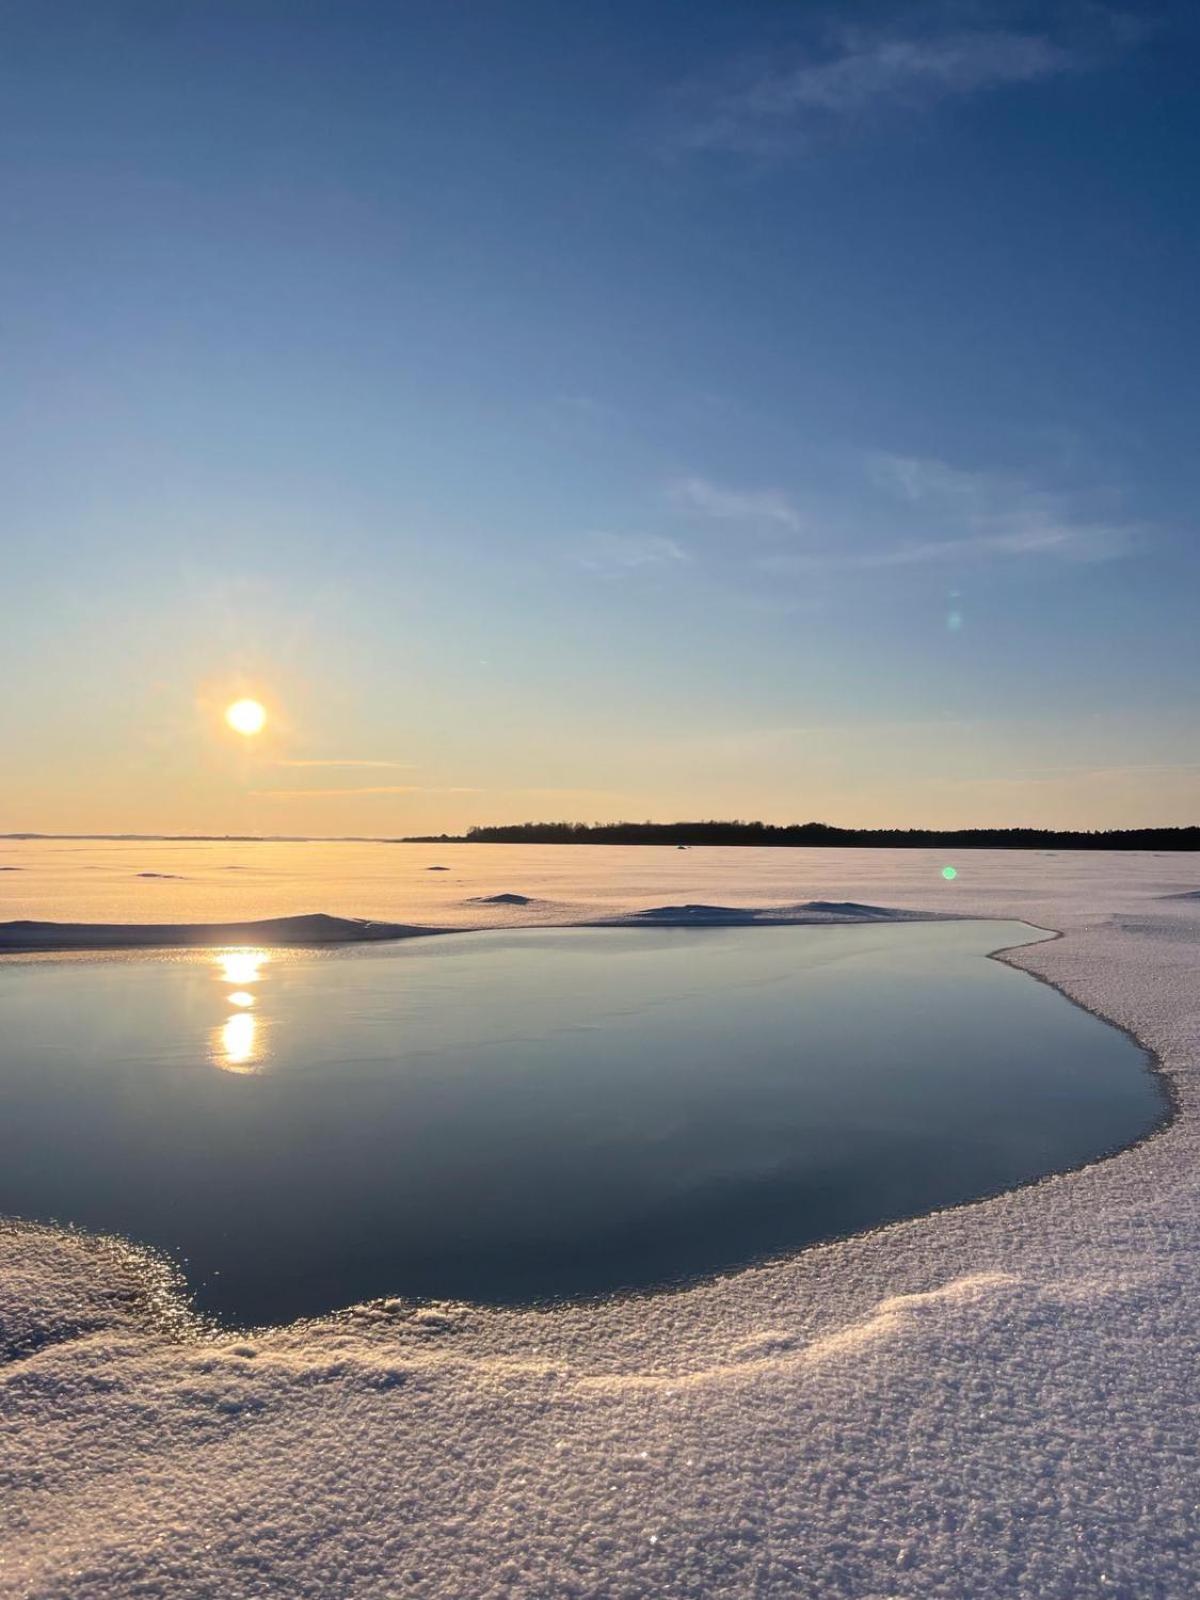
(1002, 1400)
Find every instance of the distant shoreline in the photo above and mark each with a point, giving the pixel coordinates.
(693, 835)
(821, 835)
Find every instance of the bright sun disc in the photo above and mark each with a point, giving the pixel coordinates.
(246, 716)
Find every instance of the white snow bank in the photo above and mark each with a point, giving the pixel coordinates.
(998, 1401)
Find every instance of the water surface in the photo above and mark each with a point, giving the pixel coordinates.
(514, 1116)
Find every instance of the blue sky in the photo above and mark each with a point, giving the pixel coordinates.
(598, 411)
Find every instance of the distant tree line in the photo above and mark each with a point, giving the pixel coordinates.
(817, 834)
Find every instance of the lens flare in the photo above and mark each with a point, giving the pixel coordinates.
(949, 872)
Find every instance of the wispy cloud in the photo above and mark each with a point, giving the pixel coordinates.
(997, 514)
(387, 788)
(340, 761)
(761, 507)
(579, 794)
(972, 516)
(958, 516)
(617, 553)
(855, 74)
(1051, 776)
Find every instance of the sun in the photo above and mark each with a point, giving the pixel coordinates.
(246, 716)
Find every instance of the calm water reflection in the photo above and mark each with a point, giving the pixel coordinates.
(508, 1117)
(238, 1043)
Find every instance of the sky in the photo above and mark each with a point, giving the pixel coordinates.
(598, 411)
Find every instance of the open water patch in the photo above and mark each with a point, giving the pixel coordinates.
(511, 1117)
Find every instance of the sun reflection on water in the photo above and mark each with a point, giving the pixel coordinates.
(242, 966)
(237, 1043)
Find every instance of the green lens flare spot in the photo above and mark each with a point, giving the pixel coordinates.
(949, 872)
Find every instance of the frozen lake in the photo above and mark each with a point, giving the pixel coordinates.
(525, 1115)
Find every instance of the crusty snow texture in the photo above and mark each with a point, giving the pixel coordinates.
(1002, 1400)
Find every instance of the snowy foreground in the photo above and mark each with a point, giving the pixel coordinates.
(998, 1401)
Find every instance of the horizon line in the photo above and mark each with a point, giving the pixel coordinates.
(30, 835)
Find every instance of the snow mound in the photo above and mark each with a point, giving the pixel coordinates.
(855, 911)
(695, 913)
(503, 900)
(313, 929)
(807, 912)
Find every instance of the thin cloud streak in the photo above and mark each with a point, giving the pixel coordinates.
(764, 507)
(569, 794)
(339, 761)
(1094, 543)
(860, 74)
(615, 554)
(1002, 515)
(1048, 777)
(984, 516)
(388, 788)
(415, 788)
